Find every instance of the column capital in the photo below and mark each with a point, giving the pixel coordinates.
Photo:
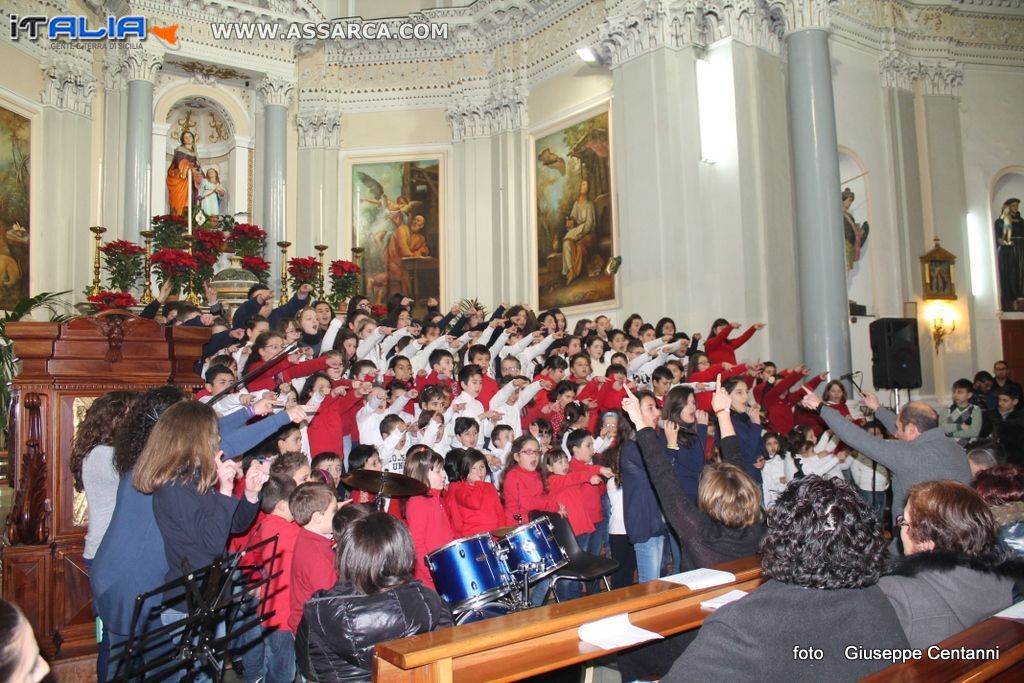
(139, 64)
(318, 129)
(646, 25)
(937, 77)
(276, 90)
(489, 117)
(798, 15)
(67, 86)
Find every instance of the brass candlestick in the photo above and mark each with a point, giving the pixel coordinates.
(147, 288)
(97, 284)
(284, 271)
(320, 249)
(191, 295)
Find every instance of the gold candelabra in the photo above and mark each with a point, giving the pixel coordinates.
(320, 249)
(97, 284)
(191, 295)
(147, 287)
(284, 271)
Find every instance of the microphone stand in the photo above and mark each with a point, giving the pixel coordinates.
(252, 373)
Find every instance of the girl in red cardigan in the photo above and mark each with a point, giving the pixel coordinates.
(720, 348)
(425, 516)
(363, 457)
(474, 503)
(522, 486)
(565, 489)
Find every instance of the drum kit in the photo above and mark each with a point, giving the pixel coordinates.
(480, 576)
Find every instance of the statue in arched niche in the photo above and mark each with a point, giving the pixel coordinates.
(184, 169)
(1009, 229)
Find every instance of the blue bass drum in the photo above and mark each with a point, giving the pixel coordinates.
(534, 546)
(468, 572)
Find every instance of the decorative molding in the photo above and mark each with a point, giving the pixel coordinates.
(799, 15)
(318, 129)
(67, 86)
(113, 73)
(486, 118)
(747, 21)
(274, 90)
(640, 26)
(139, 64)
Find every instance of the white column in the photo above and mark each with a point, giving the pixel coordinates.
(140, 69)
(319, 144)
(276, 94)
(64, 246)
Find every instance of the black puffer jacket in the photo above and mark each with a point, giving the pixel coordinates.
(340, 626)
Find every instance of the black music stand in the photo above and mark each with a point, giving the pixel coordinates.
(213, 595)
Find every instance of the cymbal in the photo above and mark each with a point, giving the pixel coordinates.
(389, 484)
(503, 531)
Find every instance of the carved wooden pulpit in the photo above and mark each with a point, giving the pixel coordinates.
(65, 366)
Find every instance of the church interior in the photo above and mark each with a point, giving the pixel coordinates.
(838, 180)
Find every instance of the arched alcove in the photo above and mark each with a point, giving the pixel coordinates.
(213, 139)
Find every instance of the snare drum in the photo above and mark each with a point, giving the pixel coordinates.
(468, 572)
(533, 544)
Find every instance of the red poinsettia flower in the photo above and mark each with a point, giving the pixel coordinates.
(209, 240)
(247, 230)
(342, 268)
(174, 262)
(304, 270)
(106, 301)
(255, 263)
(378, 310)
(122, 248)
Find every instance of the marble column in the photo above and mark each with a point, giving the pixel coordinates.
(487, 238)
(319, 186)
(815, 163)
(61, 255)
(140, 69)
(276, 94)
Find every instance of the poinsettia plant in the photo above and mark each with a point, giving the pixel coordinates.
(168, 231)
(106, 301)
(124, 262)
(344, 277)
(303, 271)
(174, 265)
(378, 311)
(260, 267)
(248, 240)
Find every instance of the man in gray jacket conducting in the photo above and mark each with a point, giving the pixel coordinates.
(921, 452)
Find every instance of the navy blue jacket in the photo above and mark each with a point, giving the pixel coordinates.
(130, 560)
(688, 461)
(640, 504)
(748, 435)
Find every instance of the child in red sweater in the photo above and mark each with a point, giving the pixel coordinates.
(425, 516)
(312, 506)
(273, 657)
(565, 489)
(363, 457)
(522, 485)
(474, 502)
(720, 348)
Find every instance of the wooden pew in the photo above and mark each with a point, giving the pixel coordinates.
(1006, 634)
(528, 643)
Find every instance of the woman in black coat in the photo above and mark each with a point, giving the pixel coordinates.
(375, 600)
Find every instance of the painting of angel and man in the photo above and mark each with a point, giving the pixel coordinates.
(396, 216)
(576, 260)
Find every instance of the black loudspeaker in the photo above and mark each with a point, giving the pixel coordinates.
(895, 354)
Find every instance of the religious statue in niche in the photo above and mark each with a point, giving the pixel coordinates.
(184, 169)
(1009, 229)
(855, 236)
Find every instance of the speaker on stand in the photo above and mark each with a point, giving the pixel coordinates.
(895, 355)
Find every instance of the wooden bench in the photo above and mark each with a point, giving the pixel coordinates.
(1006, 634)
(535, 641)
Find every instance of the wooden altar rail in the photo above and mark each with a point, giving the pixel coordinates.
(535, 641)
(1006, 634)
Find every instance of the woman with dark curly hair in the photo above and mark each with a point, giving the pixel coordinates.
(92, 462)
(955, 573)
(822, 556)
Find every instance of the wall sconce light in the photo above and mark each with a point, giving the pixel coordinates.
(942, 321)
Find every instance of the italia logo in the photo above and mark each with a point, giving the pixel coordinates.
(76, 27)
